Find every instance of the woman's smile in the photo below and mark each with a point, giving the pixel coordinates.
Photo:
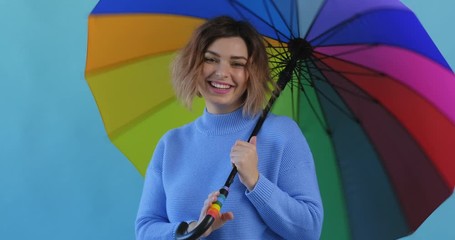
(220, 87)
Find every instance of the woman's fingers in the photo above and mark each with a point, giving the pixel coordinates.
(212, 197)
(227, 216)
(219, 221)
(244, 156)
(253, 140)
(243, 151)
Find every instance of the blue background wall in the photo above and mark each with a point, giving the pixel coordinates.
(438, 18)
(60, 177)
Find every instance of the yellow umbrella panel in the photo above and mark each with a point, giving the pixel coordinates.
(128, 71)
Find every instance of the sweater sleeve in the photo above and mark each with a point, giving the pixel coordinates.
(152, 221)
(292, 208)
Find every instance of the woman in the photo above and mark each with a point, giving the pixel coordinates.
(275, 194)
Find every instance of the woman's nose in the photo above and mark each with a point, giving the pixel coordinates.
(220, 74)
(222, 70)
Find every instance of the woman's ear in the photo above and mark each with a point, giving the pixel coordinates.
(198, 93)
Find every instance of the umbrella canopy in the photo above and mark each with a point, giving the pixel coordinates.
(370, 91)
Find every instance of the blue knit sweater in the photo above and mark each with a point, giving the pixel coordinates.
(192, 161)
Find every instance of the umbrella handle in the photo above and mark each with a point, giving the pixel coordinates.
(182, 229)
(212, 213)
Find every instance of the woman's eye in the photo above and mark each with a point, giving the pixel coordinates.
(238, 64)
(209, 60)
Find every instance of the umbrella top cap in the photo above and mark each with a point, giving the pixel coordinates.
(300, 48)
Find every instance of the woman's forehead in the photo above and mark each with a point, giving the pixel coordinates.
(231, 47)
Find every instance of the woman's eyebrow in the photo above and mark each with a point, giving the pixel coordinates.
(239, 57)
(213, 53)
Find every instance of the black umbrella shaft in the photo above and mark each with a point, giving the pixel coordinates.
(284, 78)
(255, 131)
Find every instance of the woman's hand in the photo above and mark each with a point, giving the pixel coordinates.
(219, 221)
(244, 156)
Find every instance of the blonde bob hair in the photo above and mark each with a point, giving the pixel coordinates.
(187, 66)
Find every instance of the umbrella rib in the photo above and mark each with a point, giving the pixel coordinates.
(132, 60)
(294, 6)
(121, 130)
(314, 77)
(267, 10)
(326, 35)
(352, 73)
(283, 18)
(283, 55)
(299, 74)
(272, 22)
(333, 30)
(347, 52)
(362, 47)
(375, 72)
(330, 32)
(329, 132)
(298, 16)
(294, 115)
(314, 19)
(336, 56)
(280, 60)
(347, 114)
(328, 69)
(352, 93)
(275, 72)
(321, 93)
(280, 64)
(235, 4)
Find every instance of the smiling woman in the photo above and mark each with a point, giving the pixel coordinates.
(225, 63)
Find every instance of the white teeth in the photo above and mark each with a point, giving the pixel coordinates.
(219, 85)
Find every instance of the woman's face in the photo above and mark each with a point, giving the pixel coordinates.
(225, 75)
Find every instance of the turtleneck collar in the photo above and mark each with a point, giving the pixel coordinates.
(222, 124)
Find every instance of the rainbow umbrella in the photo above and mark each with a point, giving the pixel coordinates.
(371, 92)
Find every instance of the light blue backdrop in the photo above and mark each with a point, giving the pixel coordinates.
(437, 17)
(60, 177)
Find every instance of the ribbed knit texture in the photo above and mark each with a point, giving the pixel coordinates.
(192, 161)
